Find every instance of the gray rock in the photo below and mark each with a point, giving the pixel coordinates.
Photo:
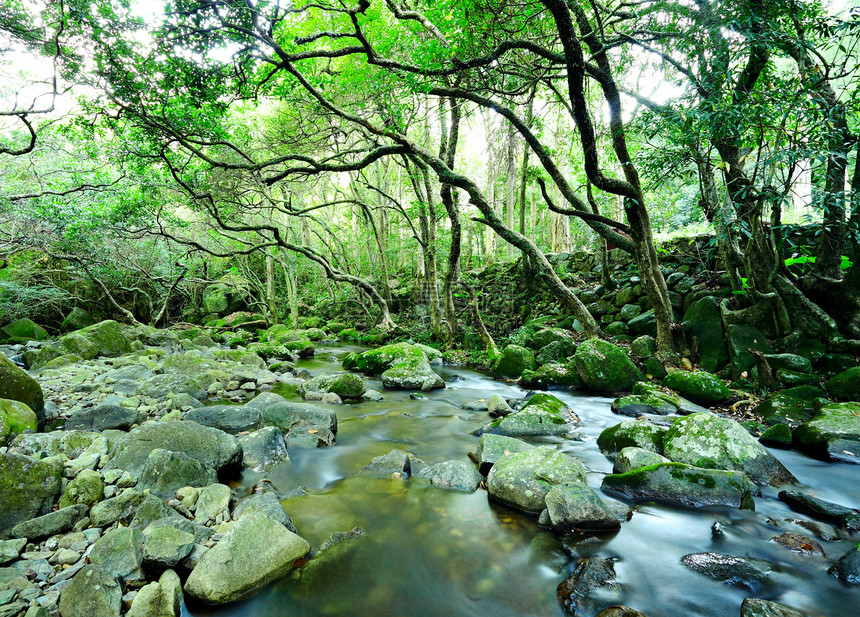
(111, 510)
(161, 599)
(593, 574)
(819, 508)
(256, 551)
(153, 509)
(523, 479)
(498, 406)
(120, 552)
(11, 549)
(165, 472)
(493, 447)
(161, 386)
(228, 418)
(102, 418)
(289, 416)
(395, 461)
(750, 574)
(631, 458)
(213, 499)
(213, 448)
(28, 488)
(847, 569)
(50, 524)
(166, 546)
(631, 433)
(93, 592)
(455, 475)
(574, 506)
(754, 607)
(543, 414)
(265, 400)
(263, 449)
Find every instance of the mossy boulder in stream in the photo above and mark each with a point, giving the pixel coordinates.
(845, 385)
(832, 422)
(701, 387)
(28, 488)
(17, 385)
(493, 447)
(631, 433)
(513, 361)
(543, 414)
(575, 506)
(345, 385)
(685, 485)
(713, 442)
(551, 376)
(108, 337)
(523, 479)
(604, 367)
(15, 417)
(257, 550)
(402, 366)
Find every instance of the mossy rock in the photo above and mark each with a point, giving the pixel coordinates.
(713, 442)
(302, 347)
(631, 433)
(86, 489)
(17, 417)
(543, 414)
(314, 334)
(701, 387)
(684, 485)
(376, 361)
(523, 479)
(346, 385)
(411, 374)
(604, 367)
(831, 422)
(17, 385)
(643, 347)
(555, 352)
(350, 335)
(108, 337)
(24, 330)
(28, 488)
(542, 338)
(76, 319)
(638, 404)
(845, 385)
(706, 325)
(778, 435)
(79, 345)
(741, 339)
(783, 408)
(335, 327)
(270, 352)
(551, 376)
(513, 360)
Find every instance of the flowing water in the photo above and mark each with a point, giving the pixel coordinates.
(435, 553)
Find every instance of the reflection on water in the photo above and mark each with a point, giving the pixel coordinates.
(428, 552)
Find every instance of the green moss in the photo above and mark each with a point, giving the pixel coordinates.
(25, 330)
(701, 387)
(17, 385)
(845, 385)
(551, 375)
(513, 361)
(633, 433)
(18, 417)
(108, 338)
(604, 367)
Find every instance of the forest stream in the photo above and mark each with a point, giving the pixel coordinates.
(433, 552)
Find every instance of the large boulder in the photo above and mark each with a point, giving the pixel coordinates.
(706, 325)
(263, 449)
(574, 506)
(158, 599)
(289, 416)
(92, 592)
(493, 447)
(513, 360)
(551, 376)
(604, 367)
(228, 418)
(213, 448)
(685, 485)
(28, 488)
(741, 339)
(631, 433)
(17, 385)
(16, 417)
(523, 479)
(402, 366)
(631, 458)
(701, 387)
(543, 414)
(24, 329)
(108, 337)
(835, 421)
(165, 472)
(120, 552)
(221, 298)
(711, 441)
(256, 551)
(345, 385)
(76, 319)
(51, 523)
(101, 418)
(845, 385)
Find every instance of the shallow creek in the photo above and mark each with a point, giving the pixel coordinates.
(430, 552)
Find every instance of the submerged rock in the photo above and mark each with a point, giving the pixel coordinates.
(576, 507)
(750, 574)
(711, 441)
(523, 479)
(290, 416)
(257, 550)
(692, 487)
(454, 475)
(592, 574)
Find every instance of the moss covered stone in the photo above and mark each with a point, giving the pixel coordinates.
(631, 433)
(24, 330)
(544, 337)
(741, 339)
(543, 414)
(17, 416)
(784, 408)
(845, 385)
(513, 360)
(108, 337)
(28, 488)
(700, 387)
(345, 385)
(633, 458)
(778, 435)
(604, 367)
(76, 319)
(684, 485)
(87, 488)
(401, 365)
(713, 442)
(551, 376)
(17, 385)
(833, 421)
(523, 479)
(640, 404)
(706, 325)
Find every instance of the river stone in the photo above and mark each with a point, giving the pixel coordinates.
(636, 405)
(818, 508)
(165, 472)
(552, 376)
(706, 325)
(755, 607)
(166, 546)
(87, 488)
(213, 448)
(701, 387)
(556, 351)
(395, 462)
(264, 400)
(832, 422)
(576, 507)
(492, 447)
(228, 418)
(689, 486)
(711, 441)
(24, 329)
(592, 574)
(751, 574)
(256, 551)
(513, 360)
(845, 385)
(108, 337)
(120, 552)
(265, 503)
(50, 524)
(213, 499)
(101, 418)
(619, 611)
(683, 406)
(523, 479)
(76, 319)
(799, 543)
(543, 414)
(263, 449)
(162, 386)
(844, 450)
(16, 417)
(17, 385)
(92, 592)
(28, 488)
(497, 406)
(776, 436)
(847, 569)
(10, 550)
(604, 367)
(288, 416)
(455, 475)
(111, 510)
(784, 408)
(345, 385)
(412, 374)
(741, 339)
(631, 433)
(631, 458)
(161, 599)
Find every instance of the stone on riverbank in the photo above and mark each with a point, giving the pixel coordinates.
(513, 360)
(523, 479)
(345, 385)
(158, 599)
(834, 421)
(165, 472)
(631, 458)
(701, 387)
(631, 433)
(28, 488)
(604, 367)
(592, 574)
(15, 418)
(17, 385)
